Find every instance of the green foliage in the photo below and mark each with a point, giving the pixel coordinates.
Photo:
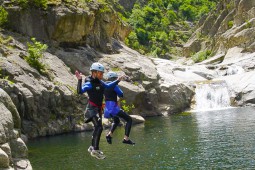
(41, 3)
(230, 5)
(5, 41)
(22, 3)
(201, 56)
(142, 36)
(115, 69)
(171, 16)
(152, 22)
(132, 40)
(248, 24)
(35, 54)
(135, 83)
(230, 24)
(3, 16)
(3, 76)
(188, 12)
(127, 108)
(184, 114)
(104, 8)
(32, 3)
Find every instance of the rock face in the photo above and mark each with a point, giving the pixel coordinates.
(13, 151)
(141, 89)
(47, 104)
(36, 105)
(232, 24)
(95, 25)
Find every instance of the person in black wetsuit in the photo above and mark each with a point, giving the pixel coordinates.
(94, 86)
(112, 110)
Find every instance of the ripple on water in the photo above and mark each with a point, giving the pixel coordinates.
(200, 140)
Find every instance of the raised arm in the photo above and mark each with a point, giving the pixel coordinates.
(109, 85)
(81, 89)
(112, 84)
(118, 91)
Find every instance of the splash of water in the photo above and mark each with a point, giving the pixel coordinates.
(210, 96)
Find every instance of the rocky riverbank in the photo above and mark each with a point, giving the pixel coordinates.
(35, 104)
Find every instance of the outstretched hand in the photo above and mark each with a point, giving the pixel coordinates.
(123, 77)
(78, 75)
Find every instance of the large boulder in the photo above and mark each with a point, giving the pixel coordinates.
(241, 88)
(10, 134)
(140, 89)
(175, 92)
(4, 160)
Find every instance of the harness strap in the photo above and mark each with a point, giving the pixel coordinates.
(94, 104)
(100, 107)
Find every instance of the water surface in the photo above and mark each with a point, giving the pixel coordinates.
(222, 139)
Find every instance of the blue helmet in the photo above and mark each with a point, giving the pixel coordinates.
(111, 74)
(97, 67)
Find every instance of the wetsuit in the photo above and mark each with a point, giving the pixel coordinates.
(112, 109)
(95, 90)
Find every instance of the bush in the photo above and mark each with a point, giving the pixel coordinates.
(171, 15)
(32, 3)
(41, 3)
(3, 16)
(148, 18)
(201, 56)
(230, 24)
(127, 108)
(142, 36)
(35, 53)
(188, 11)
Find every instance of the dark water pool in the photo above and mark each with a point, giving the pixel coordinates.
(223, 139)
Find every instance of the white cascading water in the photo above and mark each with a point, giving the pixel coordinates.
(212, 96)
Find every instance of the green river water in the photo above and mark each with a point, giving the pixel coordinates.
(222, 139)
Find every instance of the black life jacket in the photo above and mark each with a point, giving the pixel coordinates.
(110, 94)
(96, 94)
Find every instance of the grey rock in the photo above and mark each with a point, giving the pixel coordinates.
(19, 148)
(4, 160)
(21, 164)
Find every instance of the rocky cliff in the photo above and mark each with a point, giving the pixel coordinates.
(13, 150)
(37, 104)
(228, 34)
(231, 24)
(48, 104)
(91, 24)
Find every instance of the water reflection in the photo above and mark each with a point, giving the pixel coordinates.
(201, 140)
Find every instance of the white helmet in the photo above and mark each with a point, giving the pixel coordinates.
(97, 67)
(111, 74)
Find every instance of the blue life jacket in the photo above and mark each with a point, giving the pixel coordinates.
(111, 106)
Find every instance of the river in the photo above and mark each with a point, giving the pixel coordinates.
(220, 139)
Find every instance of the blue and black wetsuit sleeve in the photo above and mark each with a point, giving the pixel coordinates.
(81, 89)
(118, 91)
(109, 85)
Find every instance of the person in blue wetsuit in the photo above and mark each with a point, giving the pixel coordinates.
(112, 110)
(94, 86)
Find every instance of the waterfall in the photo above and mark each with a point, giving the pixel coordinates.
(214, 95)
(234, 69)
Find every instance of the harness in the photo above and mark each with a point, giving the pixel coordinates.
(101, 108)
